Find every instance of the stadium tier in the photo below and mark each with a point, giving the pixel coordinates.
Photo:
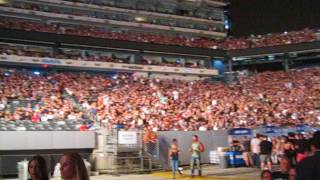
(270, 98)
(294, 37)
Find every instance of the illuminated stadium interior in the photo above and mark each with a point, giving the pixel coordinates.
(127, 84)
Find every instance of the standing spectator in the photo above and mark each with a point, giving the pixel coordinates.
(149, 136)
(292, 174)
(289, 151)
(235, 146)
(255, 149)
(174, 157)
(309, 168)
(266, 175)
(301, 147)
(247, 156)
(265, 153)
(37, 168)
(283, 174)
(279, 148)
(196, 148)
(150, 140)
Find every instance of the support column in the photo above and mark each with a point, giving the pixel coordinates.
(285, 64)
(137, 57)
(229, 64)
(208, 63)
(55, 49)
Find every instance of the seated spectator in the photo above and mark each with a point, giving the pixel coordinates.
(274, 98)
(276, 39)
(83, 127)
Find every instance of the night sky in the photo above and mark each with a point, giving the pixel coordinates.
(265, 16)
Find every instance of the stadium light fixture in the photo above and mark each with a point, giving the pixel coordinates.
(140, 19)
(2, 2)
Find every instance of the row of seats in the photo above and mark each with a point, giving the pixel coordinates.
(27, 125)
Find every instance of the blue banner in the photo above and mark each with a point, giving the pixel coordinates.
(240, 132)
(271, 129)
(303, 128)
(51, 61)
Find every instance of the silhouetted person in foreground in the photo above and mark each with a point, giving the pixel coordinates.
(309, 167)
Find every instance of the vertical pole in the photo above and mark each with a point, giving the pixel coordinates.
(208, 63)
(230, 69)
(285, 63)
(137, 57)
(55, 49)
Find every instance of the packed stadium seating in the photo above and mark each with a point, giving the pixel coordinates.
(38, 51)
(120, 16)
(63, 100)
(87, 55)
(52, 101)
(161, 7)
(293, 37)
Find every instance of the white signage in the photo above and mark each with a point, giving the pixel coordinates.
(127, 137)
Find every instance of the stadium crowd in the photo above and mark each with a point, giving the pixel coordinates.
(121, 17)
(270, 98)
(33, 52)
(88, 55)
(293, 37)
(288, 157)
(153, 9)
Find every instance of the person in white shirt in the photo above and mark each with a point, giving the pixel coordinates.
(255, 149)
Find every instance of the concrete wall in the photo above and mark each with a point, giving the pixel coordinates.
(16, 146)
(37, 140)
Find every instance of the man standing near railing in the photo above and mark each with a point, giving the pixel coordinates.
(150, 140)
(196, 149)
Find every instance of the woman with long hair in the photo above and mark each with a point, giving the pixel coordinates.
(174, 157)
(72, 167)
(37, 168)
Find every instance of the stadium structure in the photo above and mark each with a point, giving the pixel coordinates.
(100, 77)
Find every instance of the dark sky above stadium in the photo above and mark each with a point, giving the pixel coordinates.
(265, 16)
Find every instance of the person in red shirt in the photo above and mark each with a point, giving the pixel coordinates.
(83, 127)
(35, 118)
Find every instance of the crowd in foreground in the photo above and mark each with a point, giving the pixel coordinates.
(296, 155)
(293, 37)
(270, 98)
(304, 165)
